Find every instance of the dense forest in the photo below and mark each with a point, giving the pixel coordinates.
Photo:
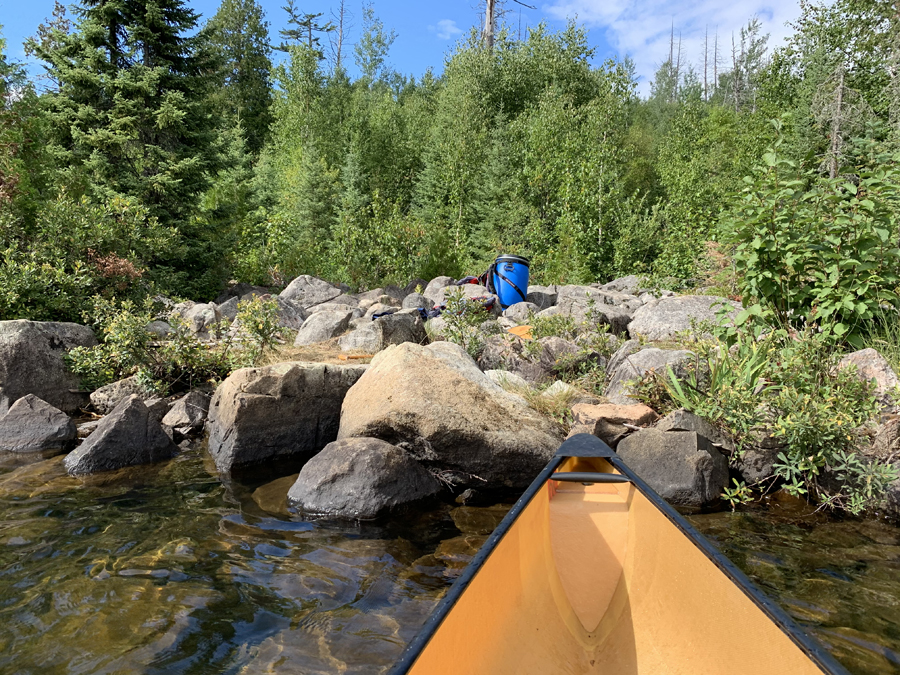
(158, 155)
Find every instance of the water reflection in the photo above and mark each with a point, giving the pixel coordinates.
(164, 569)
(169, 571)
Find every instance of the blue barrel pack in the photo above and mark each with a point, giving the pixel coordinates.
(509, 278)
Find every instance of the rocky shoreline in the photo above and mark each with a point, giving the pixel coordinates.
(423, 418)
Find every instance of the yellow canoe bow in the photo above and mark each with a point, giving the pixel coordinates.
(592, 572)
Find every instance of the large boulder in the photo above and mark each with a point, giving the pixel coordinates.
(416, 301)
(433, 291)
(521, 312)
(287, 410)
(435, 403)
(323, 326)
(635, 366)
(631, 284)
(663, 319)
(128, 436)
(306, 291)
(31, 362)
(681, 466)
(872, 366)
(405, 325)
(466, 290)
(110, 395)
(542, 296)
(589, 314)
(33, 425)
(360, 478)
(608, 422)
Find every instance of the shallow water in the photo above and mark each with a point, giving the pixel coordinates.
(839, 579)
(164, 569)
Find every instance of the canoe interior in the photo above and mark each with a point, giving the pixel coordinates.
(596, 579)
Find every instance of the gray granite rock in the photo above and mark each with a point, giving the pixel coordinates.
(360, 478)
(33, 425)
(323, 326)
(127, 436)
(31, 362)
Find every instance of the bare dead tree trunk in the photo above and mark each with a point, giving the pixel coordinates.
(677, 69)
(337, 42)
(705, 58)
(489, 17)
(735, 75)
(716, 61)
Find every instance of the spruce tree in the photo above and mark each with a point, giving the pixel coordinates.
(133, 117)
(239, 38)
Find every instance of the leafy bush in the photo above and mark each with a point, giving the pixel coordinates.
(127, 348)
(793, 390)
(259, 319)
(810, 248)
(463, 318)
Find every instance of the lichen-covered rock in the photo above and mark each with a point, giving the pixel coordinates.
(323, 326)
(127, 436)
(872, 366)
(681, 466)
(31, 362)
(633, 367)
(360, 478)
(287, 410)
(188, 412)
(663, 319)
(33, 425)
(436, 404)
(402, 326)
(110, 395)
(541, 296)
(306, 291)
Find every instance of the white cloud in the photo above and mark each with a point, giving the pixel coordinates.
(642, 28)
(446, 29)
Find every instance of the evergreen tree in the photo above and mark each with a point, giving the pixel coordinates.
(133, 117)
(239, 37)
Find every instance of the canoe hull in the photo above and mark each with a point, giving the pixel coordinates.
(605, 578)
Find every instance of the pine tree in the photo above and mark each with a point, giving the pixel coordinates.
(239, 37)
(133, 116)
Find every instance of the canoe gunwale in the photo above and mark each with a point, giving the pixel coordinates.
(588, 446)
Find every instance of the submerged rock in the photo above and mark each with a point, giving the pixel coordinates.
(33, 425)
(128, 436)
(360, 478)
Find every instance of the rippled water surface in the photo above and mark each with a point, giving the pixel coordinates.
(164, 569)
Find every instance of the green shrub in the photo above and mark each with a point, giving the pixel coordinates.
(259, 318)
(175, 364)
(463, 318)
(810, 248)
(792, 389)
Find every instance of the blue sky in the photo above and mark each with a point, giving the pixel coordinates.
(426, 31)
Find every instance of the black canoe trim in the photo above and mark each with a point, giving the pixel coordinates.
(586, 445)
(809, 645)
